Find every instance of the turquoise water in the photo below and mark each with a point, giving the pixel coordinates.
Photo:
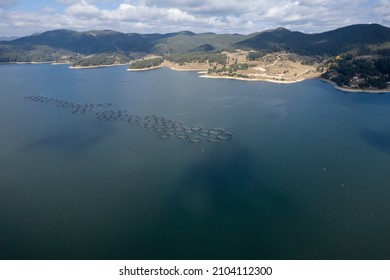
(306, 175)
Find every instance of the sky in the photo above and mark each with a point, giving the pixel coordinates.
(25, 17)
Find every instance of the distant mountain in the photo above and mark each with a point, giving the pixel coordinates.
(8, 38)
(330, 43)
(90, 42)
(183, 43)
(108, 41)
(203, 48)
(59, 43)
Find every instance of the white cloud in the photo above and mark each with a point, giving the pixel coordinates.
(82, 9)
(382, 10)
(241, 16)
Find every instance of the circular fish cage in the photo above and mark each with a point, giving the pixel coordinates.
(183, 136)
(159, 129)
(225, 136)
(141, 123)
(215, 131)
(169, 125)
(197, 128)
(170, 132)
(165, 136)
(213, 140)
(195, 140)
(149, 125)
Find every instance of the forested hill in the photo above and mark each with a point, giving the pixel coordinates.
(55, 44)
(52, 45)
(332, 43)
(92, 42)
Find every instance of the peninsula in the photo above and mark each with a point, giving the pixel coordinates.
(279, 67)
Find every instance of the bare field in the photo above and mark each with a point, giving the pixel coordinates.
(275, 67)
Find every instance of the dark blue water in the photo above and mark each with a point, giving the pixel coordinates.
(306, 175)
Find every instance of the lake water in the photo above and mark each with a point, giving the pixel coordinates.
(306, 175)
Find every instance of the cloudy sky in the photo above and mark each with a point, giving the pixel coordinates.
(24, 17)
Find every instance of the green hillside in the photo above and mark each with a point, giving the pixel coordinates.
(329, 43)
(362, 37)
(182, 43)
(90, 42)
(353, 56)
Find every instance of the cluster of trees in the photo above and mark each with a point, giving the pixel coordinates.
(216, 70)
(231, 71)
(181, 59)
(32, 54)
(239, 66)
(101, 59)
(146, 63)
(383, 65)
(331, 43)
(199, 57)
(364, 73)
(253, 56)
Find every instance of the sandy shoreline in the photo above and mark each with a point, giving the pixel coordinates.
(159, 67)
(143, 69)
(355, 90)
(29, 62)
(97, 66)
(175, 67)
(203, 74)
(251, 80)
(61, 63)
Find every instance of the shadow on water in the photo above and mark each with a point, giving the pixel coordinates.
(72, 139)
(222, 210)
(379, 140)
(228, 176)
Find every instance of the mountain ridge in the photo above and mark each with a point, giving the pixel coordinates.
(53, 44)
(101, 41)
(354, 57)
(331, 42)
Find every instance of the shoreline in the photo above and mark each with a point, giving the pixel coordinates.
(95, 66)
(205, 75)
(167, 66)
(60, 63)
(253, 80)
(29, 62)
(355, 90)
(143, 69)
